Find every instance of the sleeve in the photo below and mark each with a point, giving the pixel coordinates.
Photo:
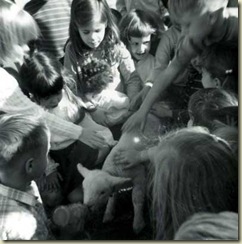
(14, 101)
(127, 70)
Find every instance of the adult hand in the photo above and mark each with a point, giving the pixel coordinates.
(135, 121)
(92, 139)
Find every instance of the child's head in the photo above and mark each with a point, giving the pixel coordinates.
(91, 23)
(24, 144)
(136, 29)
(96, 76)
(220, 67)
(210, 226)
(194, 171)
(17, 29)
(42, 77)
(196, 16)
(208, 105)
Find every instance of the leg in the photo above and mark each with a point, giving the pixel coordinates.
(138, 199)
(110, 209)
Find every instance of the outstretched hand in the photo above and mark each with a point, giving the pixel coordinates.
(128, 158)
(92, 139)
(135, 121)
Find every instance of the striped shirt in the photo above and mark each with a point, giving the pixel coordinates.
(53, 18)
(22, 215)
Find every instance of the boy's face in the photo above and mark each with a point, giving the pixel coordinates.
(139, 47)
(51, 101)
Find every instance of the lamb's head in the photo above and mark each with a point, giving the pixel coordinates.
(98, 186)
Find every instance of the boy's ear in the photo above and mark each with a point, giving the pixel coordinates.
(29, 166)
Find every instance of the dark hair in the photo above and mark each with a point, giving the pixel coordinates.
(194, 171)
(137, 23)
(82, 14)
(221, 61)
(41, 75)
(209, 104)
(210, 226)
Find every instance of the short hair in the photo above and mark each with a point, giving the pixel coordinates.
(19, 134)
(42, 75)
(179, 7)
(194, 171)
(209, 226)
(221, 61)
(206, 104)
(137, 23)
(17, 27)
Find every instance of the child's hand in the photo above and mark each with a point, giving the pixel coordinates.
(92, 138)
(100, 117)
(161, 110)
(53, 181)
(129, 158)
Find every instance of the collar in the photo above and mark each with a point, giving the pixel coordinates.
(29, 197)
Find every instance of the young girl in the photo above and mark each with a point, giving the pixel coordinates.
(46, 83)
(194, 171)
(220, 67)
(93, 34)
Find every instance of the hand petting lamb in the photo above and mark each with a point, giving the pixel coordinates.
(100, 186)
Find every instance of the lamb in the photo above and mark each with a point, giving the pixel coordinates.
(101, 186)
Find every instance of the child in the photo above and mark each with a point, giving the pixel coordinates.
(220, 67)
(46, 83)
(194, 171)
(154, 6)
(207, 106)
(16, 32)
(93, 34)
(24, 145)
(137, 29)
(202, 24)
(209, 226)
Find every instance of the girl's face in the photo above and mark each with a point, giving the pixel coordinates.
(93, 34)
(139, 47)
(51, 101)
(208, 81)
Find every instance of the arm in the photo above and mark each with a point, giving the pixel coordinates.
(129, 74)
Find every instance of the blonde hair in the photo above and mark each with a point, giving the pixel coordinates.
(19, 134)
(17, 27)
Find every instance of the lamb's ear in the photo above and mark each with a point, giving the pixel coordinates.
(82, 170)
(120, 183)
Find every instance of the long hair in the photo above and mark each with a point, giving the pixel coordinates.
(137, 23)
(17, 27)
(83, 12)
(194, 171)
(221, 61)
(210, 226)
(209, 104)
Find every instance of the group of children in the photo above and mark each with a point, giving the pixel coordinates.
(56, 112)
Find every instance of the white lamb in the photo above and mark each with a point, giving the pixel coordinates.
(100, 186)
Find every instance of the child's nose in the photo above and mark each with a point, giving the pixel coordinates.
(141, 48)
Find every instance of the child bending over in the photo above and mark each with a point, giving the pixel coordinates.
(46, 83)
(24, 145)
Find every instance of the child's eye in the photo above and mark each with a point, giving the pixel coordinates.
(97, 31)
(86, 32)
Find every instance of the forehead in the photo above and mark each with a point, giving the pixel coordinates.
(140, 39)
(93, 25)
